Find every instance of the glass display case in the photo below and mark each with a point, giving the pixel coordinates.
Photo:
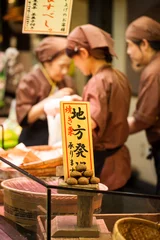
(47, 208)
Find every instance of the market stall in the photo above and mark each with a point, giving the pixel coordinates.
(48, 205)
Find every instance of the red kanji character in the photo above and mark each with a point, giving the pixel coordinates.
(48, 6)
(69, 120)
(70, 131)
(49, 15)
(50, 0)
(46, 23)
(68, 109)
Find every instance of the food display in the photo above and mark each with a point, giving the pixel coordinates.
(38, 160)
(82, 176)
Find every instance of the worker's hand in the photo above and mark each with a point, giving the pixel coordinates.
(63, 92)
(52, 107)
(76, 97)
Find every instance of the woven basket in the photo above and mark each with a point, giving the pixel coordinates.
(22, 197)
(39, 168)
(136, 229)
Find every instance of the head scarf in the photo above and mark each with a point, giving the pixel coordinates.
(92, 38)
(143, 28)
(49, 47)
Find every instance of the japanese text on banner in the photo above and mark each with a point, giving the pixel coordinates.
(47, 16)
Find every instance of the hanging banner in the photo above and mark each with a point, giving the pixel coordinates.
(47, 16)
(76, 136)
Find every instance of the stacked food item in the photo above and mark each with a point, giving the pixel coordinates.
(82, 176)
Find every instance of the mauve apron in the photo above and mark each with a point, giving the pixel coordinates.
(100, 157)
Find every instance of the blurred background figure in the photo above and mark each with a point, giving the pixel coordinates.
(143, 40)
(47, 80)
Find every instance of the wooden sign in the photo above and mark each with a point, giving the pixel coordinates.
(76, 136)
(47, 16)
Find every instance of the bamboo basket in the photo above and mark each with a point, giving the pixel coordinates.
(43, 168)
(136, 229)
(22, 201)
(36, 168)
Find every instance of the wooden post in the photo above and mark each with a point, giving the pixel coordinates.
(85, 211)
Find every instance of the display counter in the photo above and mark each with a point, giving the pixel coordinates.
(49, 210)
